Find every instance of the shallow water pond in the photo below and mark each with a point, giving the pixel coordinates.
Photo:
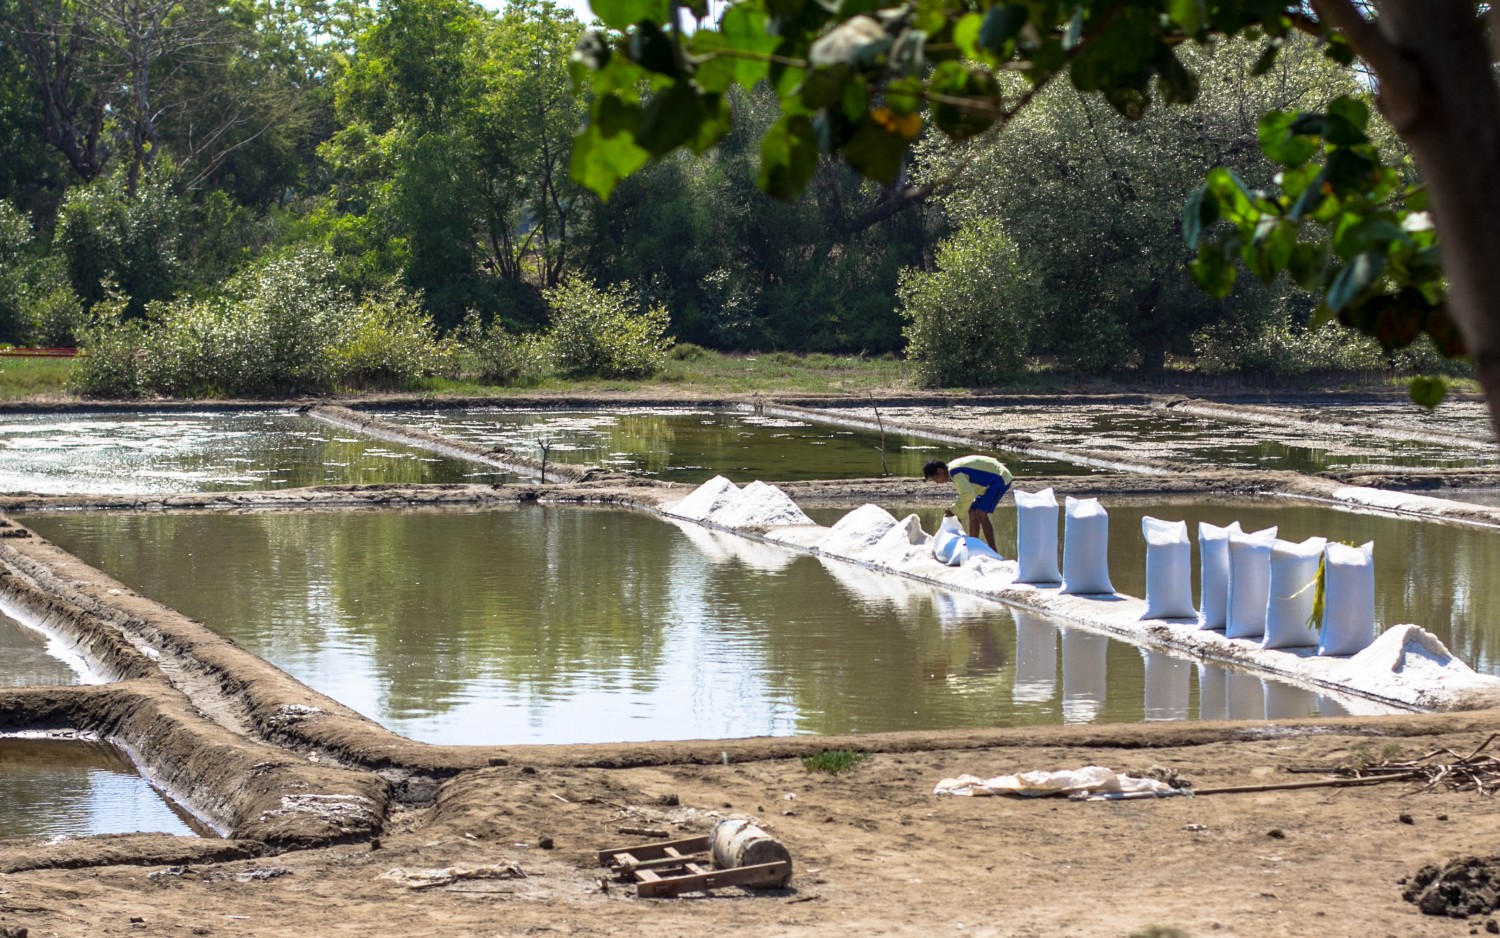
(1144, 432)
(51, 787)
(159, 453)
(694, 445)
(1439, 576)
(24, 661)
(584, 625)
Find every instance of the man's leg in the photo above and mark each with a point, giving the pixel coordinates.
(979, 520)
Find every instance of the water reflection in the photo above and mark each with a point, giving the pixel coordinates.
(694, 445)
(50, 787)
(61, 454)
(24, 661)
(570, 625)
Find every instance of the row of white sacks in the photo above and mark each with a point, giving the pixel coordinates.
(1253, 585)
(1405, 665)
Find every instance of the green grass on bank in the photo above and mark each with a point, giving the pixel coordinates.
(22, 378)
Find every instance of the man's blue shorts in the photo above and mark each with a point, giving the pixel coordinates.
(995, 487)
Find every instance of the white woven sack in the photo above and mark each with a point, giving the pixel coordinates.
(1294, 567)
(971, 547)
(1169, 570)
(1348, 599)
(1249, 583)
(1213, 555)
(1085, 569)
(949, 537)
(1036, 536)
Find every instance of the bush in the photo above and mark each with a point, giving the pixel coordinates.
(110, 365)
(606, 332)
(502, 357)
(388, 341)
(970, 320)
(1281, 350)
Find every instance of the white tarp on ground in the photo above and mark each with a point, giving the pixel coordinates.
(1407, 665)
(1089, 780)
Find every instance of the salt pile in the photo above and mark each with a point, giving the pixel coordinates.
(758, 505)
(706, 499)
(857, 533)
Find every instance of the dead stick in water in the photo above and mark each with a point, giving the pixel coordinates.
(1321, 783)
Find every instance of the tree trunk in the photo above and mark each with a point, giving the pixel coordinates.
(1447, 109)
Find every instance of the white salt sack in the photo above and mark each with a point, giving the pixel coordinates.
(1036, 536)
(1213, 555)
(706, 499)
(857, 533)
(1169, 570)
(760, 506)
(1294, 568)
(1086, 548)
(970, 548)
(949, 538)
(1348, 599)
(1249, 583)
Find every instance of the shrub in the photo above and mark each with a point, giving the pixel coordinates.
(1279, 349)
(387, 341)
(500, 356)
(970, 320)
(110, 363)
(605, 332)
(834, 761)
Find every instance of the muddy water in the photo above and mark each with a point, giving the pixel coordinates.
(694, 445)
(59, 454)
(1148, 432)
(50, 787)
(1441, 577)
(579, 625)
(24, 661)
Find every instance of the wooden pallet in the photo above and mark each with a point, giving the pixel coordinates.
(670, 867)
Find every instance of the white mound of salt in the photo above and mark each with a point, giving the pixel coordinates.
(857, 533)
(706, 499)
(759, 506)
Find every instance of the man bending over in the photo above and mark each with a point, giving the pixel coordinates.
(980, 481)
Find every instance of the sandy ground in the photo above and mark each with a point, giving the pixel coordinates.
(875, 853)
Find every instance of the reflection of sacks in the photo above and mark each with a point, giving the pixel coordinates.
(1213, 550)
(1086, 548)
(1036, 536)
(1249, 583)
(969, 548)
(949, 538)
(1169, 570)
(1348, 599)
(1294, 567)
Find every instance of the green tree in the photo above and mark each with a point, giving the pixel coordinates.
(861, 82)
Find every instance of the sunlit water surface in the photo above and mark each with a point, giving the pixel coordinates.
(51, 787)
(694, 445)
(161, 453)
(583, 625)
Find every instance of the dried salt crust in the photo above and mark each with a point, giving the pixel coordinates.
(1406, 665)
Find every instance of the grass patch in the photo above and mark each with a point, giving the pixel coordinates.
(33, 377)
(834, 761)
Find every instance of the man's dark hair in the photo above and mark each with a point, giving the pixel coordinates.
(930, 468)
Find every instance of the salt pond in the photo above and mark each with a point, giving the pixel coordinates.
(583, 625)
(1141, 431)
(158, 453)
(1435, 575)
(51, 787)
(694, 445)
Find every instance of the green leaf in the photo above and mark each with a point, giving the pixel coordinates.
(670, 119)
(788, 158)
(823, 86)
(1179, 86)
(966, 34)
(1234, 198)
(1267, 59)
(953, 80)
(875, 152)
(651, 49)
(1001, 24)
(1305, 266)
(1339, 50)
(1281, 143)
(1201, 211)
(1213, 271)
(1428, 392)
(600, 162)
(1189, 14)
(1356, 277)
(1348, 171)
(623, 14)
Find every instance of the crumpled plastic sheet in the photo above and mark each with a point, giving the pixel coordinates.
(1090, 783)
